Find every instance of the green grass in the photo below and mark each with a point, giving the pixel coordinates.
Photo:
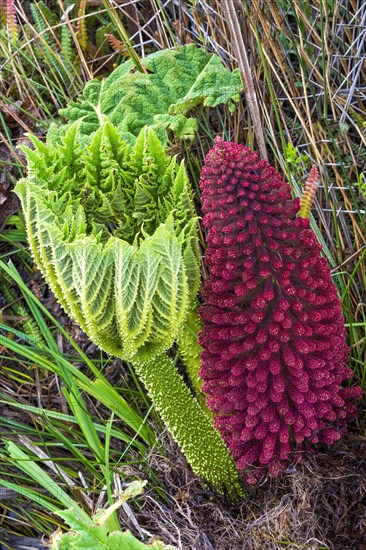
(100, 434)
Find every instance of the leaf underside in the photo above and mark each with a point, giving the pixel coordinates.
(113, 230)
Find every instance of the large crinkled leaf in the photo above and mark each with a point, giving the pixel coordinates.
(122, 275)
(128, 299)
(176, 82)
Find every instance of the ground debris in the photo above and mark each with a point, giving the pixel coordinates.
(319, 504)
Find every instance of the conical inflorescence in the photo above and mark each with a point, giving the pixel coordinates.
(274, 345)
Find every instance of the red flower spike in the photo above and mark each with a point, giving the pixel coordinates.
(273, 333)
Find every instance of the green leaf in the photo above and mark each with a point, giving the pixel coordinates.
(176, 82)
(92, 533)
(96, 539)
(120, 253)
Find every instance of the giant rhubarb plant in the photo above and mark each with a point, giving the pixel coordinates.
(113, 230)
(111, 225)
(274, 344)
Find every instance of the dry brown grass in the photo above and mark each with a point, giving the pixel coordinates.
(320, 503)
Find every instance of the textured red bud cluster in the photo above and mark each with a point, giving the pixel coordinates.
(274, 353)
